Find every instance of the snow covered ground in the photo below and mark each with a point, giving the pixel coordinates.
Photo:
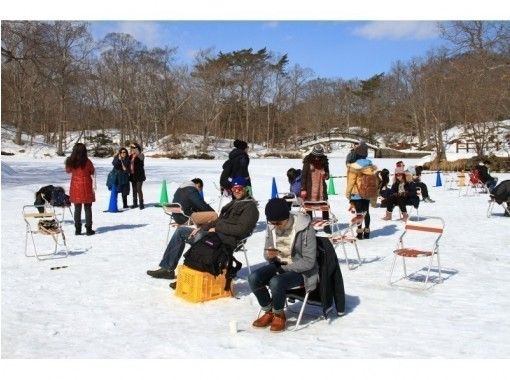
(103, 305)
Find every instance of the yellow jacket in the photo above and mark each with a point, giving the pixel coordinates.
(354, 173)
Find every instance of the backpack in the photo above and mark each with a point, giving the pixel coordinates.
(59, 198)
(210, 255)
(367, 186)
(226, 174)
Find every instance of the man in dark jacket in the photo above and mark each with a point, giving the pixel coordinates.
(485, 177)
(236, 221)
(188, 195)
(236, 165)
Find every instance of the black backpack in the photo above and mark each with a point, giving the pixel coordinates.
(59, 198)
(210, 255)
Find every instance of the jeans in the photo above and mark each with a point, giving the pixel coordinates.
(278, 281)
(175, 247)
(491, 184)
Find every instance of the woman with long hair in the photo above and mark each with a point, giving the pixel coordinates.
(121, 165)
(81, 191)
(137, 174)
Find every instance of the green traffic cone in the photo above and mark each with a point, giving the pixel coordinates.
(163, 198)
(331, 187)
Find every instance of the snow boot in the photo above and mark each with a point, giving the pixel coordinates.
(405, 216)
(278, 322)
(90, 231)
(388, 216)
(265, 320)
(77, 229)
(359, 233)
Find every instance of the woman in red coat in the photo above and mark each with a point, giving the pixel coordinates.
(81, 191)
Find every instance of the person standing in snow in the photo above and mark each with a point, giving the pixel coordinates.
(137, 174)
(236, 166)
(361, 166)
(81, 191)
(314, 175)
(121, 164)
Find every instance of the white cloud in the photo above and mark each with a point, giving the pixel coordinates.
(147, 32)
(398, 30)
(270, 25)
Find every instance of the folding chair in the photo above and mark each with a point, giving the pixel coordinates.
(348, 236)
(306, 298)
(172, 209)
(45, 223)
(425, 234)
(60, 217)
(241, 247)
(291, 198)
(474, 186)
(318, 222)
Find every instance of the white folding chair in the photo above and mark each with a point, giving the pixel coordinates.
(172, 209)
(421, 241)
(349, 236)
(318, 222)
(241, 247)
(45, 223)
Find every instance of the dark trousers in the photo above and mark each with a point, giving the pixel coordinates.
(423, 188)
(362, 205)
(88, 214)
(137, 190)
(396, 200)
(278, 281)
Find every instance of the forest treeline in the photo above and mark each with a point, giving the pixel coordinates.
(56, 78)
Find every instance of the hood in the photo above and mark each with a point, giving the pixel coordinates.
(187, 184)
(301, 222)
(236, 152)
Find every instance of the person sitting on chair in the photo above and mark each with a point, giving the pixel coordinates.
(403, 192)
(188, 195)
(291, 252)
(383, 188)
(485, 177)
(236, 221)
(416, 173)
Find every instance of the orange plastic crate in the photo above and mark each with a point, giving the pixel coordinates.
(195, 286)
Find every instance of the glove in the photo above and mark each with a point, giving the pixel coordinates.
(303, 194)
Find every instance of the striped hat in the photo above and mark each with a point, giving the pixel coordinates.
(318, 150)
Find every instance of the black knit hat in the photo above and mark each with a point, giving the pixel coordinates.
(240, 144)
(277, 209)
(361, 150)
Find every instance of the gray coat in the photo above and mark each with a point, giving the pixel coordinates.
(304, 250)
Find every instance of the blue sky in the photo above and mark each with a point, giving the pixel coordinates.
(332, 49)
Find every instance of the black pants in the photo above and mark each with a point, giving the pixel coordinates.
(362, 205)
(88, 214)
(396, 200)
(137, 190)
(423, 188)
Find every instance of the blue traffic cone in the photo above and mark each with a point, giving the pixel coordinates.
(438, 179)
(112, 207)
(274, 190)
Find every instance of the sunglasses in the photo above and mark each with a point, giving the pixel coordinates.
(237, 188)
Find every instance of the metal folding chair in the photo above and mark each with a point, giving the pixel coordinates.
(318, 222)
(241, 247)
(348, 236)
(172, 209)
(424, 236)
(45, 223)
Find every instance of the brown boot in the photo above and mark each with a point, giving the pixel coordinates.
(278, 324)
(265, 320)
(405, 216)
(388, 216)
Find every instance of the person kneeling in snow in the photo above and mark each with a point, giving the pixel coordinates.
(291, 250)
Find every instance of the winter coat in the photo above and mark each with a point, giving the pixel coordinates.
(295, 186)
(80, 190)
(235, 166)
(331, 283)
(303, 251)
(355, 171)
(236, 221)
(501, 192)
(120, 176)
(410, 191)
(306, 175)
(483, 173)
(190, 200)
(138, 173)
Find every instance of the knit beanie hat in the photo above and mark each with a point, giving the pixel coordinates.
(240, 144)
(277, 209)
(318, 150)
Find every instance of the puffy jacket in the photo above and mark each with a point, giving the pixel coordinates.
(80, 190)
(355, 171)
